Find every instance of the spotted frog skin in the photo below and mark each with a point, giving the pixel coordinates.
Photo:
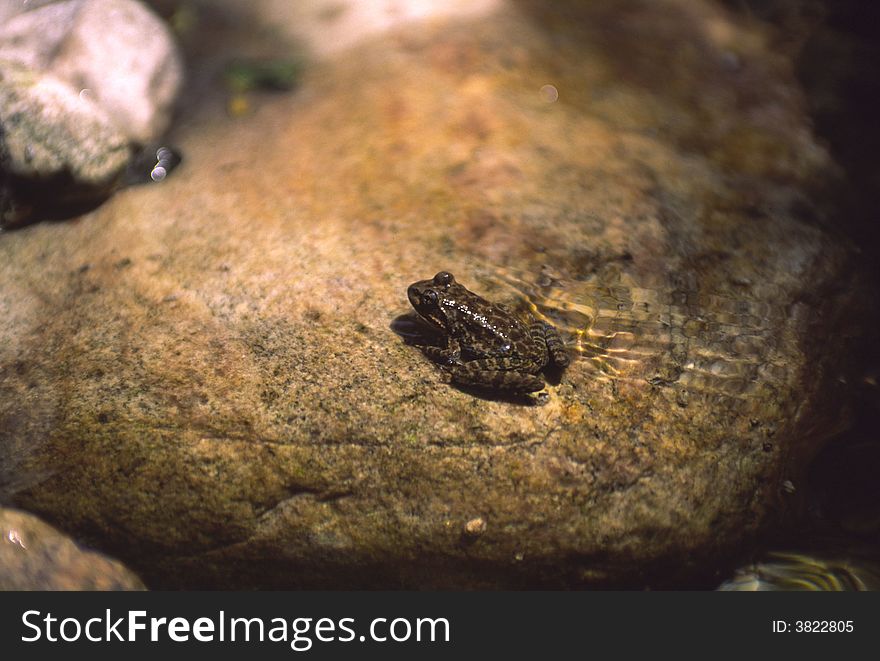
(485, 345)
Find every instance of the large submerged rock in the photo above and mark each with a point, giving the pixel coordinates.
(202, 378)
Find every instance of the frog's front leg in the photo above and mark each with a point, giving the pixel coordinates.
(499, 373)
(549, 336)
(449, 355)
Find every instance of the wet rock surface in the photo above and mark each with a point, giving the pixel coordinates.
(201, 378)
(36, 556)
(82, 82)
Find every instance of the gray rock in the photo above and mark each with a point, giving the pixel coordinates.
(81, 83)
(9, 8)
(36, 556)
(115, 53)
(49, 130)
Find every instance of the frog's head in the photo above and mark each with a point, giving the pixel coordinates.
(428, 296)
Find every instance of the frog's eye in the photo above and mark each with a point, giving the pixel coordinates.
(430, 297)
(443, 279)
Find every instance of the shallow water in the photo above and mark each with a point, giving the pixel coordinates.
(674, 334)
(801, 571)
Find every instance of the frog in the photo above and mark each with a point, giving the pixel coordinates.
(484, 344)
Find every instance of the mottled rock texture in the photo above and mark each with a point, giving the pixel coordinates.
(201, 378)
(36, 556)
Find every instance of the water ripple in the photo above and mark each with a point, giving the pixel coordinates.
(669, 334)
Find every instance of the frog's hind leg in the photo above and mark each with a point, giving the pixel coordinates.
(495, 373)
(551, 338)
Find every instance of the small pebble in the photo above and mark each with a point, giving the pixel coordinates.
(475, 527)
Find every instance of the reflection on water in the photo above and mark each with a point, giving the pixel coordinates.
(796, 571)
